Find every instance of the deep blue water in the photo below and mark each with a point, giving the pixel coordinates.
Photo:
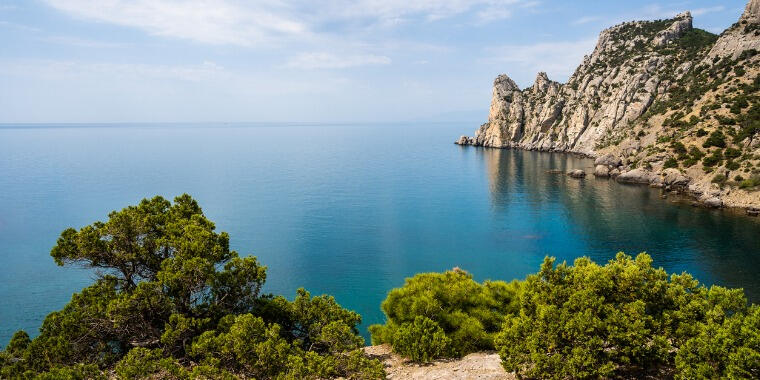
(349, 210)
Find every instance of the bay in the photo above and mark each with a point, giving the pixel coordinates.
(344, 209)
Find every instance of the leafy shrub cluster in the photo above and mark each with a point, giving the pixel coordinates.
(625, 319)
(459, 314)
(173, 301)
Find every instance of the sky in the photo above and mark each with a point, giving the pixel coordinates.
(103, 61)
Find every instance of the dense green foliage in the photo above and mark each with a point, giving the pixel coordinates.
(626, 317)
(462, 315)
(724, 348)
(173, 301)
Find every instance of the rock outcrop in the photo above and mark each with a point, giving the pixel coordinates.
(647, 99)
(740, 37)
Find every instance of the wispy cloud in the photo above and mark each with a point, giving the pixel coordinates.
(13, 25)
(62, 68)
(586, 20)
(703, 11)
(559, 59)
(332, 61)
(81, 42)
(206, 21)
(260, 22)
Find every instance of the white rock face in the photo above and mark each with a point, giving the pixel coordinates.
(597, 102)
(741, 36)
(602, 111)
(677, 29)
(635, 176)
(673, 177)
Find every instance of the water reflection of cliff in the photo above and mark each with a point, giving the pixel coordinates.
(600, 217)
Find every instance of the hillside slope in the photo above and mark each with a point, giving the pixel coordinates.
(658, 102)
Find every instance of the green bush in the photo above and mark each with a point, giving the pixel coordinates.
(142, 363)
(713, 159)
(173, 293)
(732, 153)
(750, 182)
(422, 340)
(678, 147)
(719, 179)
(725, 348)
(623, 319)
(671, 163)
(469, 313)
(716, 139)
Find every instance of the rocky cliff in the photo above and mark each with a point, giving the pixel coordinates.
(652, 96)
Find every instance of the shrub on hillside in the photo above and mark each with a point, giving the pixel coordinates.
(468, 313)
(716, 139)
(625, 318)
(422, 340)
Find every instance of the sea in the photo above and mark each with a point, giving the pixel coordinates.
(349, 210)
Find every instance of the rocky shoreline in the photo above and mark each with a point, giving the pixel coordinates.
(671, 181)
(658, 103)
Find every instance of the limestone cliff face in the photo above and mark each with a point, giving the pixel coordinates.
(614, 85)
(741, 36)
(653, 95)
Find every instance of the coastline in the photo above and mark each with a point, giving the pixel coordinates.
(699, 194)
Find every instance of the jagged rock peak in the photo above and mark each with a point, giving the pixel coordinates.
(505, 83)
(682, 23)
(542, 82)
(752, 12)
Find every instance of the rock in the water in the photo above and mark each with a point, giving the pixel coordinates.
(609, 160)
(713, 202)
(577, 173)
(464, 140)
(638, 175)
(602, 171)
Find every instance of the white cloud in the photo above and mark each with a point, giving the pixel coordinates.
(332, 61)
(80, 42)
(206, 21)
(13, 25)
(586, 20)
(235, 22)
(558, 59)
(703, 11)
(77, 69)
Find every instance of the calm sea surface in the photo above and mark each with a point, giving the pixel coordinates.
(348, 210)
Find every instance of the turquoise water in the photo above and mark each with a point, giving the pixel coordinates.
(349, 210)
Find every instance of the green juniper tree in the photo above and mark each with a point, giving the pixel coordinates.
(173, 301)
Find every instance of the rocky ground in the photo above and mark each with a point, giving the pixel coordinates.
(481, 365)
